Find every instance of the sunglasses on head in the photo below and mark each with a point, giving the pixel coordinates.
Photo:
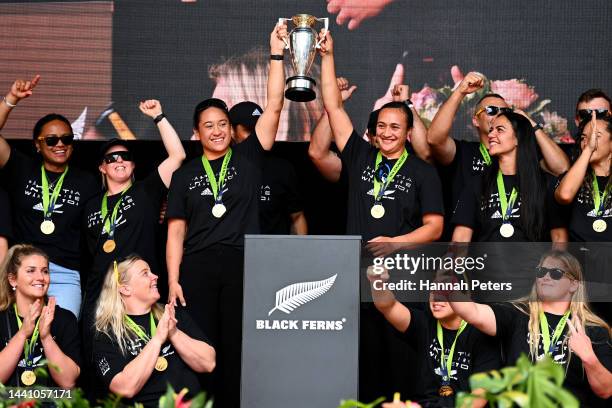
(585, 114)
(114, 156)
(554, 273)
(493, 110)
(54, 140)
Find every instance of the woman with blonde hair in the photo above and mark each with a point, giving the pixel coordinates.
(33, 329)
(141, 346)
(557, 314)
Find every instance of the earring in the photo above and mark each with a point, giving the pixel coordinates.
(14, 288)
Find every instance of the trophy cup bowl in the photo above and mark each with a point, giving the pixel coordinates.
(302, 47)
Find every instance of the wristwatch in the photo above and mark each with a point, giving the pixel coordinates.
(538, 126)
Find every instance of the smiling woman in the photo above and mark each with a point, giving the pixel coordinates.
(33, 329)
(141, 346)
(47, 195)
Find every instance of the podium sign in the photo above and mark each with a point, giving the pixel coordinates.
(300, 321)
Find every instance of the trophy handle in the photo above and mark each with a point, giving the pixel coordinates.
(282, 20)
(325, 21)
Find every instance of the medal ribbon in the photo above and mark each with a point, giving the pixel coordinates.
(109, 222)
(216, 185)
(138, 330)
(485, 154)
(599, 200)
(446, 364)
(506, 205)
(379, 188)
(547, 342)
(49, 201)
(28, 347)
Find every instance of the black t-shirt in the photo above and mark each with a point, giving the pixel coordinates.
(475, 352)
(512, 327)
(136, 231)
(578, 216)
(484, 215)
(64, 330)
(191, 198)
(109, 361)
(24, 184)
(6, 229)
(414, 192)
(279, 196)
(467, 167)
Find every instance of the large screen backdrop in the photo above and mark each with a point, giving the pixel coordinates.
(99, 59)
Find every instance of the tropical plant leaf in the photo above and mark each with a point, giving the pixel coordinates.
(293, 296)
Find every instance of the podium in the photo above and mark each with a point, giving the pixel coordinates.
(300, 321)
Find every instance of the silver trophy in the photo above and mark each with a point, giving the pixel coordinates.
(302, 46)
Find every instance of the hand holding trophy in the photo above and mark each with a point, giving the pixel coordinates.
(302, 45)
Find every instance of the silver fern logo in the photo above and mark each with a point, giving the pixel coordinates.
(293, 296)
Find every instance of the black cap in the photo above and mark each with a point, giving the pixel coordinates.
(111, 143)
(245, 114)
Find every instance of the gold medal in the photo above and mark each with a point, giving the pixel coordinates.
(446, 391)
(161, 364)
(47, 227)
(506, 230)
(218, 210)
(600, 225)
(377, 211)
(28, 377)
(109, 246)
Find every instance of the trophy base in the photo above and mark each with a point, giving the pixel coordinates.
(300, 89)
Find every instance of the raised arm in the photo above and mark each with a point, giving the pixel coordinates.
(478, 315)
(326, 161)
(573, 179)
(340, 123)
(599, 377)
(267, 125)
(555, 160)
(20, 89)
(395, 312)
(418, 135)
(443, 147)
(176, 154)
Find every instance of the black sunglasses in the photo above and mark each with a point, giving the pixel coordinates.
(54, 140)
(493, 110)
(554, 273)
(585, 114)
(114, 156)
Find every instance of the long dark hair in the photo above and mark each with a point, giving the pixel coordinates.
(587, 183)
(531, 182)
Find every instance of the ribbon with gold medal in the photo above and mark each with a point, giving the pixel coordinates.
(549, 343)
(446, 363)
(507, 229)
(162, 363)
(49, 199)
(109, 221)
(599, 200)
(381, 183)
(217, 185)
(28, 377)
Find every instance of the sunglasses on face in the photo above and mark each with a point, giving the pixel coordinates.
(54, 140)
(554, 273)
(114, 157)
(493, 110)
(585, 114)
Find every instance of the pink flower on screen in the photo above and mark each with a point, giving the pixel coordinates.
(425, 98)
(515, 92)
